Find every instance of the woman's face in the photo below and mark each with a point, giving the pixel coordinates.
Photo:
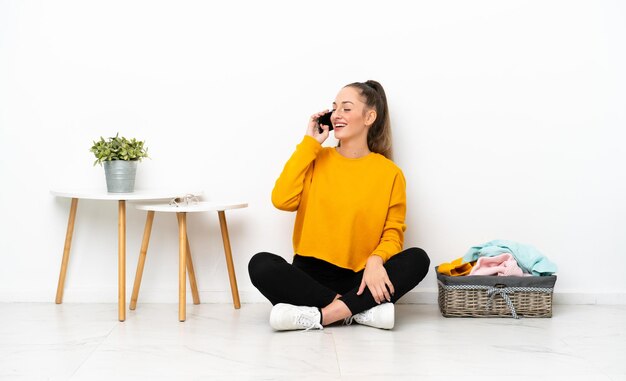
(351, 117)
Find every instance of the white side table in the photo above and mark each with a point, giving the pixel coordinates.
(121, 198)
(184, 254)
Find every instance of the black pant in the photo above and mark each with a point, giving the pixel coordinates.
(314, 282)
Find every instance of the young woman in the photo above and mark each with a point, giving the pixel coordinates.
(349, 231)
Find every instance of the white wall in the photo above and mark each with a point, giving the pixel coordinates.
(508, 122)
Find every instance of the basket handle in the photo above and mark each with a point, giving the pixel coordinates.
(503, 291)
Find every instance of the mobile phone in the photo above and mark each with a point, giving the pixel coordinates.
(325, 120)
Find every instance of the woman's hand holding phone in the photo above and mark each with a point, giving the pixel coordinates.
(317, 131)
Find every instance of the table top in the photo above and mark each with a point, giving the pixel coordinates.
(202, 206)
(137, 195)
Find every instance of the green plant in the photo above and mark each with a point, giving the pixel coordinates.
(118, 148)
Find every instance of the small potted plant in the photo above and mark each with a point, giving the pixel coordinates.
(119, 157)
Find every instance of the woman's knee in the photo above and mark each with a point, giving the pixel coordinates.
(417, 261)
(419, 255)
(262, 265)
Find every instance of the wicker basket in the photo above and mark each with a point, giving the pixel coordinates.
(495, 296)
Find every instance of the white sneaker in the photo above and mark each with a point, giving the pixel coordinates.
(380, 316)
(285, 317)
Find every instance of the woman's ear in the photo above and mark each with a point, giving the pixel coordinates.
(370, 117)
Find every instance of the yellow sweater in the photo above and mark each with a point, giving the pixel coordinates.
(348, 209)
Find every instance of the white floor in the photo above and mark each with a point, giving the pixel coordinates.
(85, 342)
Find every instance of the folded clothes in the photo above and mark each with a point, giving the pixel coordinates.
(528, 258)
(502, 265)
(455, 268)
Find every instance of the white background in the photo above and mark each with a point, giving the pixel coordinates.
(508, 121)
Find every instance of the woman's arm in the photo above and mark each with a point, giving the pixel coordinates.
(289, 185)
(288, 189)
(392, 238)
(375, 276)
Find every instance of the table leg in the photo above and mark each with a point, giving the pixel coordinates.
(121, 262)
(192, 275)
(182, 267)
(142, 259)
(66, 250)
(229, 260)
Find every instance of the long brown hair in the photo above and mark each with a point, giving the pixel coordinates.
(379, 134)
